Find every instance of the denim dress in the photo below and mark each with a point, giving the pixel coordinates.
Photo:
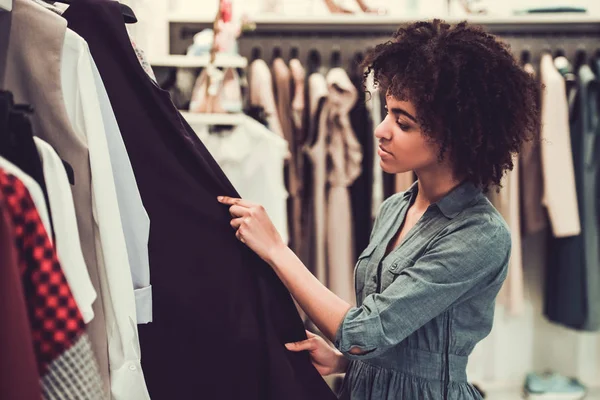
(422, 308)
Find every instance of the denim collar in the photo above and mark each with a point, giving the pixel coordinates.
(454, 202)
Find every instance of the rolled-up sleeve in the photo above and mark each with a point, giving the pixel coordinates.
(468, 257)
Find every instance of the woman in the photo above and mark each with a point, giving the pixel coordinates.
(459, 108)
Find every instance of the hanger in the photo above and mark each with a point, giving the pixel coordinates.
(128, 14)
(294, 53)
(276, 53)
(336, 59)
(314, 62)
(525, 57)
(256, 53)
(580, 59)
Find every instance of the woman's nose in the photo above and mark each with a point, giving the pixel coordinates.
(383, 131)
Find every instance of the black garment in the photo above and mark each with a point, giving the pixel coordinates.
(17, 145)
(572, 280)
(564, 300)
(361, 191)
(221, 316)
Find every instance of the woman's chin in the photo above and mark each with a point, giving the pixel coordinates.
(391, 168)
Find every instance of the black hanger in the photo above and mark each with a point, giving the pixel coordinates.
(525, 57)
(256, 54)
(559, 53)
(314, 61)
(294, 53)
(128, 14)
(336, 59)
(580, 59)
(276, 53)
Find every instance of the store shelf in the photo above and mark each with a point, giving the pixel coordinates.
(212, 119)
(366, 19)
(573, 22)
(181, 61)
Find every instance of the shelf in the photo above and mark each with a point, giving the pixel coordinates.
(181, 61)
(361, 23)
(365, 19)
(212, 119)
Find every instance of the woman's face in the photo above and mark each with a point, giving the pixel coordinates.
(402, 146)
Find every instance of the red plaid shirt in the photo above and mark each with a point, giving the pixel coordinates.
(56, 322)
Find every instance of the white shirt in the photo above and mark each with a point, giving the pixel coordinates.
(252, 157)
(83, 108)
(134, 218)
(560, 194)
(34, 189)
(64, 222)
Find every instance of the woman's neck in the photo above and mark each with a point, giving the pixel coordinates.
(434, 185)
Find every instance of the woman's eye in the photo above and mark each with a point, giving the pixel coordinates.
(402, 126)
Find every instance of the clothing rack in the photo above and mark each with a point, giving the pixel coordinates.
(528, 36)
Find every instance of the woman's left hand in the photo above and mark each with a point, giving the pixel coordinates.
(253, 227)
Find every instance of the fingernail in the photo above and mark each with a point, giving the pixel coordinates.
(220, 198)
(288, 346)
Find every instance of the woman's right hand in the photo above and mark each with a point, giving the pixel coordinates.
(326, 359)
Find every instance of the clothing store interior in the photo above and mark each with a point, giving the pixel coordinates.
(121, 277)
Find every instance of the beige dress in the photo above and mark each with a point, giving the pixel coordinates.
(317, 156)
(507, 202)
(345, 157)
(283, 95)
(260, 83)
(560, 194)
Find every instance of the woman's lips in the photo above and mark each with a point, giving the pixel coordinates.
(382, 152)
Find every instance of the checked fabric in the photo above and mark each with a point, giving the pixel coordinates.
(67, 367)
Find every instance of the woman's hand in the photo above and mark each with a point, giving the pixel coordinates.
(326, 359)
(253, 227)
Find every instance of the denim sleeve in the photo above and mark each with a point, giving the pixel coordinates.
(470, 256)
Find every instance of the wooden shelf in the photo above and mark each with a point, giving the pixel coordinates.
(182, 61)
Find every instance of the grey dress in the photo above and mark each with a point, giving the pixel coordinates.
(423, 308)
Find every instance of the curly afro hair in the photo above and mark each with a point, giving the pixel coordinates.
(470, 94)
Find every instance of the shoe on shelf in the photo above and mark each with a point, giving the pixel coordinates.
(553, 386)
